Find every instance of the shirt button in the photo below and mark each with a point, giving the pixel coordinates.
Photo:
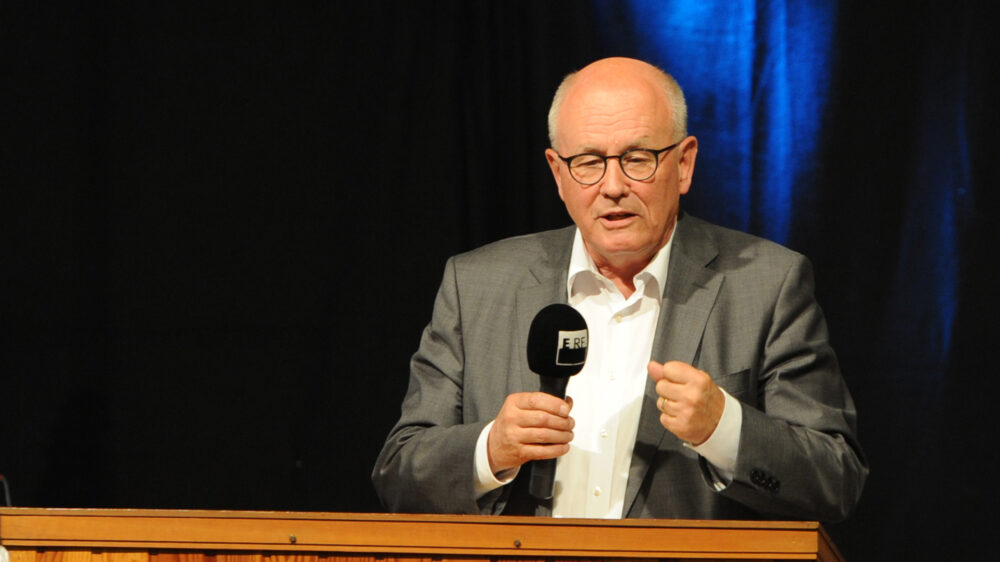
(618, 318)
(604, 433)
(597, 490)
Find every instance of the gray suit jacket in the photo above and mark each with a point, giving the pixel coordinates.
(736, 306)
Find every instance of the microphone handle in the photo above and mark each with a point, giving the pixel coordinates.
(556, 386)
(543, 477)
(543, 472)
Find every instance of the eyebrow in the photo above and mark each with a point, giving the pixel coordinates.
(589, 149)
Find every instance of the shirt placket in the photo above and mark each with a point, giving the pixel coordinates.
(610, 381)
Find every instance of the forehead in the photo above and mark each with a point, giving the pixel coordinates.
(614, 116)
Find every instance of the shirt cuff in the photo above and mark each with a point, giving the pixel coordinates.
(486, 481)
(723, 446)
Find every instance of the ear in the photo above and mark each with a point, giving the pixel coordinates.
(685, 163)
(555, 164)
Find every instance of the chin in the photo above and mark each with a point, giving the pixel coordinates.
(621, 250)
(622, 244)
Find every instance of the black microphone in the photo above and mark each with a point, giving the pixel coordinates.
(557, 350)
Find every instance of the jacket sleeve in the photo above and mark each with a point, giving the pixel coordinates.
(426, 463)
(799, 456)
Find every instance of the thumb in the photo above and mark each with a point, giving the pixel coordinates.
(655, 371)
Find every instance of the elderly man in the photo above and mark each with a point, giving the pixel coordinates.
(710, 390)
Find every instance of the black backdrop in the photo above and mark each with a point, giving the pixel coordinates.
(224, 228)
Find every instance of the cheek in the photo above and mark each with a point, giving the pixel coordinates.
(663, 204)
(578, 202)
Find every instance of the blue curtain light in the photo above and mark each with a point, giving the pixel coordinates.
(756, 75)
(938, 202)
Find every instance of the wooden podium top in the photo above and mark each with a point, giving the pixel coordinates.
(434, 535)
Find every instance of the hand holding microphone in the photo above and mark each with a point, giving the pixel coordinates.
(530, 426)
(535, 426)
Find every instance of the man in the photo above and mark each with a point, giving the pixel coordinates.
(710, 390)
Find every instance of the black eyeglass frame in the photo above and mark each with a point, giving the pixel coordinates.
(656, 162)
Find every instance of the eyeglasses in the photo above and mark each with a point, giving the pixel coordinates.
(638, 163)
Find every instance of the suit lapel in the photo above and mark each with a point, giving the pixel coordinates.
(688, 299)
(550, 275)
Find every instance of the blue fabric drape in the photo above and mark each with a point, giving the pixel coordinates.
(757, 78)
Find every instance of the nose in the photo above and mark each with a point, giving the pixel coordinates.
(615, 183)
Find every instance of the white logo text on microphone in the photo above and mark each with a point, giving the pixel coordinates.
(572, 347)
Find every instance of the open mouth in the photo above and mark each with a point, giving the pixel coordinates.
(617, 216)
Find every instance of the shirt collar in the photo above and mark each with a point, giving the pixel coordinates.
(580, 262)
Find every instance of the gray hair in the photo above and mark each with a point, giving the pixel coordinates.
(675, 96)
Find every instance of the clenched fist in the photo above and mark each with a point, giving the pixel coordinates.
(689, 401)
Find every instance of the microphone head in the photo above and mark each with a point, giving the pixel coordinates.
(557, 342)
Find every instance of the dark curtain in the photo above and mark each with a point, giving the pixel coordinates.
(224, 227)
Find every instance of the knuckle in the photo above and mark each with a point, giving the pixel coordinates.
(537, 419)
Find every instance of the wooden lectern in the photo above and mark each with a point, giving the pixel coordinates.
(101, 535)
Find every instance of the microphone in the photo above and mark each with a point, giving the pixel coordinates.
(557, 350)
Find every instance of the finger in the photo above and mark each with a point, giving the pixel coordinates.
(540, 436)
(661, 404)
(534, 419)
(670, 423)
(527, 416)
(544, 402)
(670, 390)
(669, 407)
(545, 420)
(522, 429)
(541, 452)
